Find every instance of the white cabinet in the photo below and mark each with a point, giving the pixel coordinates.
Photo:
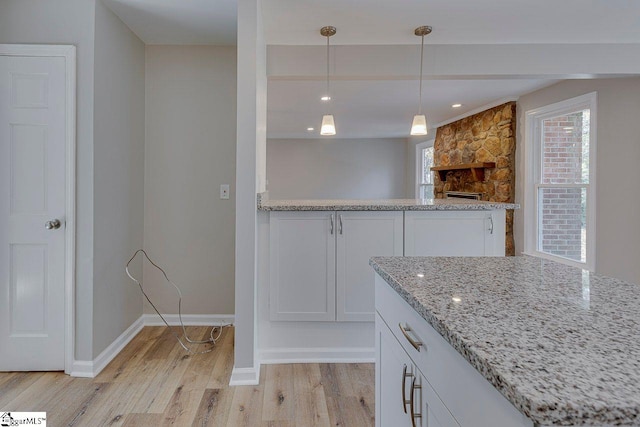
(403, 396)
(302, 266)
(360, 236)
(452, 392)
(319, 263)
(454, 233)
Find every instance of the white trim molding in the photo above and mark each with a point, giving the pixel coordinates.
(317, 355)
(68, 52)
(418, 166)
(533, 169)
(245, 376)
(189, 319)
(91, 368)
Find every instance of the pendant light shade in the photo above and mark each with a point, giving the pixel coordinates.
(419, 124)
(328, 125)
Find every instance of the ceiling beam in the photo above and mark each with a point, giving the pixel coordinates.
(507, 61)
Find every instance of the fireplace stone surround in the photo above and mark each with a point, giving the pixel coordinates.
(488, 136)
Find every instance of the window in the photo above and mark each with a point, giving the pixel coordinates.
(559, 199)
(424, 175)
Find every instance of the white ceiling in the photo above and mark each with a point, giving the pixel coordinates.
(453, 21)
(384, 108)
(185, 22)
(375, 108)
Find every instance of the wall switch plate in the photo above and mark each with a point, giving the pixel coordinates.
(224, 191)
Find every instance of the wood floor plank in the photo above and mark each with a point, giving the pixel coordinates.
(165, 374)
(213, 410)
(310, 403)
(131, 356)
(361, 376)
(246, 406)
(142, 420)
(16, 384)
(154, 382)
(224, 363)
(182, 407)
(279, 397)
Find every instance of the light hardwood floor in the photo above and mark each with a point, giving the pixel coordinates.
(154, 382)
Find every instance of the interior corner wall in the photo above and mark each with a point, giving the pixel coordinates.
(617, 174)
(190, 151)
(118, 175)
(68, 22)
(336, 168)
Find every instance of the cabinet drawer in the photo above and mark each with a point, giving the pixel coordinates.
(470, 398)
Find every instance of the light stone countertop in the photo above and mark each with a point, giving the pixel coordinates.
(560, 343)
(380, 205)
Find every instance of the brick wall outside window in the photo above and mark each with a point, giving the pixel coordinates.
(562, 210)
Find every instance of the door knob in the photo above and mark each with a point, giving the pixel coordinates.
(52, 225)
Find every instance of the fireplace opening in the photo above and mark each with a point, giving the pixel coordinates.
(462, 195)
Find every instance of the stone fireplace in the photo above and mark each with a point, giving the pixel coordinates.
(486, 137)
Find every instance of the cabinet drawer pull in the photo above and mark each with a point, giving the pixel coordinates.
(340, 223)
(405, 375)
(491, 224)
(331, 223)
(414, 414)
(414, 342)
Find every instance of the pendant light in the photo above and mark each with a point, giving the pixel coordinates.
(419, 125)
(328, 125)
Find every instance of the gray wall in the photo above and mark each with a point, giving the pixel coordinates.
(68, 22)
(336, 168)
(190, 150)
(617, 173)
(118, 175)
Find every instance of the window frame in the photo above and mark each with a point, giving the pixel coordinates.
(418, 177)
(533, 173)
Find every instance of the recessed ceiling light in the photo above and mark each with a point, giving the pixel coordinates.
(456, 299)
(456, 105)
(326, 98)
(310, 129)
(420, 275)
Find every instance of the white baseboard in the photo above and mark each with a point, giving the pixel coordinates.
(245, 376)
(317, 355)
(89, 369)
(189, 319)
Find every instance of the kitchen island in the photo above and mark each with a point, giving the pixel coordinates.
(514, 341)
(315, 286)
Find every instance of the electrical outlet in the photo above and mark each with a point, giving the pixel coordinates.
(224, 191)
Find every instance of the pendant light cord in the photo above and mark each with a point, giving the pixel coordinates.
(421, 56)
(328, 95)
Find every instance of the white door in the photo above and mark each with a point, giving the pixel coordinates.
(362, 235)
(454, 233)
(302, 263)
(32, 192)
(394, 375)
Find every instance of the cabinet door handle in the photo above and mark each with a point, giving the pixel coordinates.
(414, 414)
(414, 342)
(491, 224)
(331, 223)
(405, 375)
(340, 223)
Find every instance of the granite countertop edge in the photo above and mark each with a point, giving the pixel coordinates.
(381, 205)
(538, 412)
